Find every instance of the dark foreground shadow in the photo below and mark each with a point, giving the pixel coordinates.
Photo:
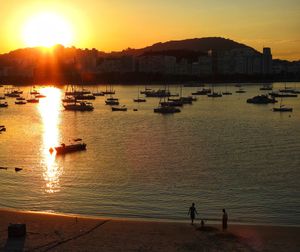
(15, 244)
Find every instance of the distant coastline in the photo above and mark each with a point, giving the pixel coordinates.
(212, 59)
(152, 80)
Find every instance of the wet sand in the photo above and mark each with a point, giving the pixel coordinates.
(49, 232)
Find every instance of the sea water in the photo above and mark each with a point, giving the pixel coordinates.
(218, 153)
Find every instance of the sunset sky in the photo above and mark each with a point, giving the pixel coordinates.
(110, 25)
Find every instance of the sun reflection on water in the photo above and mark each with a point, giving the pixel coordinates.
(49, 109)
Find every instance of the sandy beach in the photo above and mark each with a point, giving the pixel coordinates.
(51, 232)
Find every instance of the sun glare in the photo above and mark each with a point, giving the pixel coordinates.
(47, 29)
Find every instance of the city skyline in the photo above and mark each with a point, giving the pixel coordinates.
(116, 25)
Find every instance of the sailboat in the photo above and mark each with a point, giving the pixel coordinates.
(166, 108)
(139, 99)
(226, 91)
(282, 108)
(214, 94)
(110, 91)
(97, 93)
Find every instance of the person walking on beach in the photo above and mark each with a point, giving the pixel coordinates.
(224, 219)
(192, 212)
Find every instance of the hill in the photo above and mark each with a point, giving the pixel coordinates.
(202, 45)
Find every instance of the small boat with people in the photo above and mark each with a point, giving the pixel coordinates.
(77, 145)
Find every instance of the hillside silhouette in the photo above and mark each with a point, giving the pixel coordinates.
(70, 64)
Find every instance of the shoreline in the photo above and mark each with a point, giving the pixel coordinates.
(208, 221)
(52, 231)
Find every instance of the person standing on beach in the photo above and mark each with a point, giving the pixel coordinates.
(224, 219)
(192, 212)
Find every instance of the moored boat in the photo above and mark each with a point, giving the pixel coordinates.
(261, 99)
(166, 110)
(287, 95)
(214, 95)
(283, 109)
(79, 106)
(3, 104)
(123, 108)
(20, 102)
(203, 91)
(63, 148)
(33, 100)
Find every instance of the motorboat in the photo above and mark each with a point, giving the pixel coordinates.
(34, 92)
(2, 128)
(85, 97)
(139, 100)
(266, 87)
(214, 95)
(288, 95)
(20, 98)
(112, 102)
(226, 93)
(20, 102)
(282, 108)
(203, 91)
(123, 108)
(240, 91)
(166, 110)
(178, 103)
(73, 147)
(157, 93)
(261, 99)
(79, 106)
(98, 94)
(40, 96)
(3, 104)
(33, 100)
(68, 99)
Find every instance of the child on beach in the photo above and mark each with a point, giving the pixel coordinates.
(192, 212)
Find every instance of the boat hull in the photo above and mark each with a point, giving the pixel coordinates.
(63, 149)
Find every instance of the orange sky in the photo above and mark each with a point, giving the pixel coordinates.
(117, 24)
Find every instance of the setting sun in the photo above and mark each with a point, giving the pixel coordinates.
(47, 29)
